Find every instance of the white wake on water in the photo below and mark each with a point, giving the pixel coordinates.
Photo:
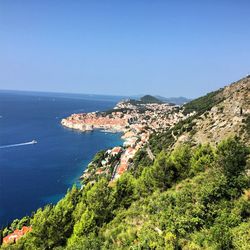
(19, 144)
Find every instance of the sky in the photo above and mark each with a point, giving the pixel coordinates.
(131, 47)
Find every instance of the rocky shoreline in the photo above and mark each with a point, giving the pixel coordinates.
(90, 121)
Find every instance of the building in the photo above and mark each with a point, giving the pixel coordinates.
(16, 235)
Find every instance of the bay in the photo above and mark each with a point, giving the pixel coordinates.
(33, 175)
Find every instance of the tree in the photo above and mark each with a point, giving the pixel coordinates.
(232, 157)
(125, 190)
(241, 236)
(181, 157)
(53, 223)
(232, 162)
(164, 172)
(91, 241)
(100, 200)
(83, 227)
(145, 183)
(202, 158)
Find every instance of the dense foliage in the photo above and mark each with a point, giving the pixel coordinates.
(16, 224)
(204, 103)
(150, 99)
(191, 198)
(247, 125)
(166, 139)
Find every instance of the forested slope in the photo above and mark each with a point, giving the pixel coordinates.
(188, 199)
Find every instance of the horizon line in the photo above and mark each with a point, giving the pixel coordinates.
(89, 94)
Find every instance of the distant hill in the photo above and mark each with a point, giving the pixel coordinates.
(146, 99)
(150, 99)
(171, 100)
(175, 100)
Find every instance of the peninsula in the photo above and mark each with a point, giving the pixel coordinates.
(137, 120)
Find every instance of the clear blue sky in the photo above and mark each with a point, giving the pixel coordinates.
(170, 48)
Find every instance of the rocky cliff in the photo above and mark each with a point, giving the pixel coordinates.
(228, 116)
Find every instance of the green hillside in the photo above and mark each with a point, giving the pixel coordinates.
(195, 198)
(150, 99)
(204, 103)
(175, 100)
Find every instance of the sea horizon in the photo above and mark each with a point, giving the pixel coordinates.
(72, 95)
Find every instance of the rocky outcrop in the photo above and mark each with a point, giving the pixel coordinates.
(226, 118)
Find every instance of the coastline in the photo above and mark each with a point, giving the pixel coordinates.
(136, 121)
(114, 161)
(60, 154)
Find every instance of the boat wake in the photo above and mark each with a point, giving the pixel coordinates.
(19, 144)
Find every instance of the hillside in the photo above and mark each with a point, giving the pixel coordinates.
(189, 199)
(150, 99)
(146, 99)
(218, 115)
(176, 100)
(194, 194)
(227, 115)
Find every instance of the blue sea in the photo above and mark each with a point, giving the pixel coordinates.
(33, 175)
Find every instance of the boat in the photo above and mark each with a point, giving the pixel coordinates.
(34, 141)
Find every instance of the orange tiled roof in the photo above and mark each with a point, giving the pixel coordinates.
(116, 150)
(99, 171)
(122, 168)
(16, 235)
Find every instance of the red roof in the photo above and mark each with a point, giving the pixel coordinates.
(116, 150)
(16, 235)
(122, 168)
(99, 171)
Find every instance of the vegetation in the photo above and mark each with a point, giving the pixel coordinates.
(174, 100)
(203, 104)
(190, 198)
(247, 125)
(150, 99)
(165, 140)
(147, 99)
(140, 161)
(96, 164)
(16, 224)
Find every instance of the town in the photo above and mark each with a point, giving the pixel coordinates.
(137, 120)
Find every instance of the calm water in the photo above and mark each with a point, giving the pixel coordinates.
(34, 175)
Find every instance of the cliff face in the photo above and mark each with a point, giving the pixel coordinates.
(228, 117)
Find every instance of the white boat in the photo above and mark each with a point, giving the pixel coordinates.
(34, 141)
